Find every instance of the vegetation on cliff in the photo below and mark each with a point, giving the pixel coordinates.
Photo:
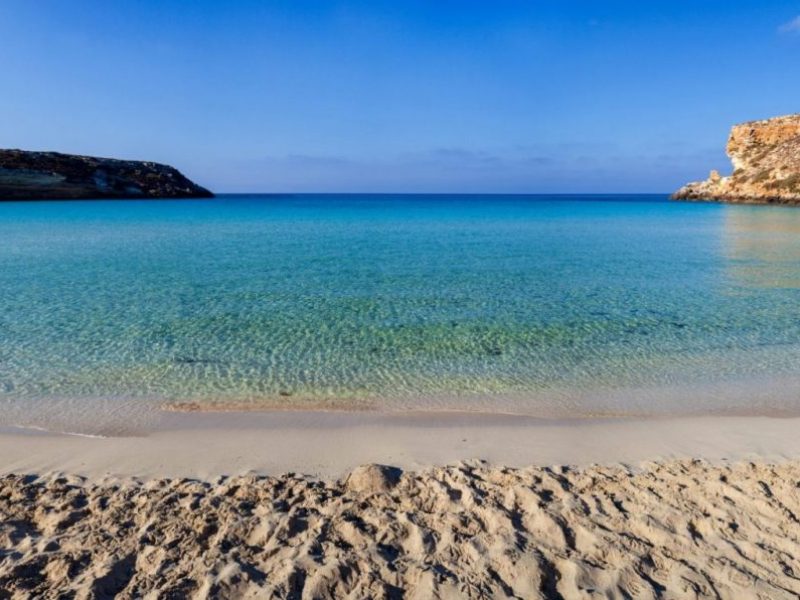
(54, 176)
(766, 160)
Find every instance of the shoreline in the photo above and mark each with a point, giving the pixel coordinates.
(326, 444)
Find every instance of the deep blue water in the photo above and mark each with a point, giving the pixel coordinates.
(543, 305)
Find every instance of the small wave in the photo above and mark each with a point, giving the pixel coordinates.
(59, 432)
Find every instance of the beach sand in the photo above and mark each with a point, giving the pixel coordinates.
(209, 506)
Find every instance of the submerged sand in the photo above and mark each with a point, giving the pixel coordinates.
(680, 529)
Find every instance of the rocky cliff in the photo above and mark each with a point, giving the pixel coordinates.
(51, 175)
(766, 161)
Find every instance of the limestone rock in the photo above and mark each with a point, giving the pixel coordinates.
(766, 160)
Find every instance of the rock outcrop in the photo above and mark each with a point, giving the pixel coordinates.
(766, 161)
(54, 176)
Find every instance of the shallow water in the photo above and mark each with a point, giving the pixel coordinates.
(550, 306)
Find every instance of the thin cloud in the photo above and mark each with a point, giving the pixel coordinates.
(543, 168)
(792, 26)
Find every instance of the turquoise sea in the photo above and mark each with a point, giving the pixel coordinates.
(553, 306)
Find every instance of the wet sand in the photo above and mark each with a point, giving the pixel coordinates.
(329, 444)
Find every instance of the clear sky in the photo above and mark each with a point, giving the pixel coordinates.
(406, 96)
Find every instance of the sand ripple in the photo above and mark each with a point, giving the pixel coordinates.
(674, 530)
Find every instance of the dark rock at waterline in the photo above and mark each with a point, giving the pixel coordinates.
(54, 176)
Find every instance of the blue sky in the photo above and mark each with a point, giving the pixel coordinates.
(406, 96)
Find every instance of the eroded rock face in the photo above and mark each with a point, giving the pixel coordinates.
(51, 176)
(766, 160)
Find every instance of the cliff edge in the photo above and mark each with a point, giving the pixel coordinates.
(54, 176)
(766, 161)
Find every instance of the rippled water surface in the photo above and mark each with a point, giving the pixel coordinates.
(551, 306)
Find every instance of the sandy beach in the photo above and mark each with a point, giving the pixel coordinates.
(234, 505)
(326, 445)
(404, 301)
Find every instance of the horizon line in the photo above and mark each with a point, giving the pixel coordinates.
(440, 193)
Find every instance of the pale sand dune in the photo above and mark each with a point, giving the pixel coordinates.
(682, 529)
